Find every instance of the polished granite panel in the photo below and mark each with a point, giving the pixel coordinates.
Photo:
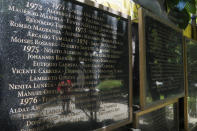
(164, 61)
(63, 65)
(192, 83)
(163, 119)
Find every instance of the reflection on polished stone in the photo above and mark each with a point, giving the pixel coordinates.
(164, 61)
(53, 113)
(164, 119)
(192, 83)
(64, 65)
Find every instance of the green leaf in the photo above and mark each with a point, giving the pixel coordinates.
(191, 6)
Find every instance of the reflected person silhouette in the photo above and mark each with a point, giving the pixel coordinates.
(64, 88)
(81, 76)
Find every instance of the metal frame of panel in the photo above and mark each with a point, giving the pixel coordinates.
(142, 56)
(137, 114)
(186, 122)
(109, 10)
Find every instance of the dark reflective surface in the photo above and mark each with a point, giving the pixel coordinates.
(192, 82)
(63, 65)
(163, 119)
(164, 59)
(135, 65)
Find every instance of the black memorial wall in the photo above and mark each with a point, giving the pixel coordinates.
(164, 61)
(63, 65)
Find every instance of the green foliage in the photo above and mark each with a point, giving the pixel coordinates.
(191, 7)
(181, 18)
(181, 11)
(109, 85)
